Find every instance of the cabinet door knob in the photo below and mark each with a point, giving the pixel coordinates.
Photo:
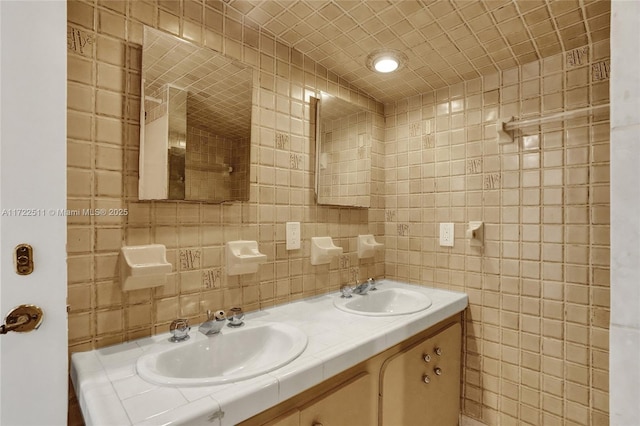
(426, 357)
(438, 351)
(317, 424)
(426, 379)
(438, 371)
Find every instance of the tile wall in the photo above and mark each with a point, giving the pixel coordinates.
(536, 335)
(104, 64)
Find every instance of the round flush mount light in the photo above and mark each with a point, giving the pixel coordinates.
(386, 60)
(386, 64)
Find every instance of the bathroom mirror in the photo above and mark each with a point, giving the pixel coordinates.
(343, 152)
(195, 132)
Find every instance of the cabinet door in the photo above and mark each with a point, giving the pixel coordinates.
(405, 397)
(351, 403)
(291, 418)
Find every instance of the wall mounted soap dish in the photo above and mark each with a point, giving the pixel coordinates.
(243, 257)
(143, 266)
(323, 249)
(368, 246)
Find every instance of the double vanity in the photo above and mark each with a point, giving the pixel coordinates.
(372, 358)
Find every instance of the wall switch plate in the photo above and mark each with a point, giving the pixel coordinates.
(446, 234)
(293, 235)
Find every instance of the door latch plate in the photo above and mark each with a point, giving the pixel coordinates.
(24, 259)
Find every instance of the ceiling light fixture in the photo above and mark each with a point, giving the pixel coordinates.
(386, 60)
(385, 64)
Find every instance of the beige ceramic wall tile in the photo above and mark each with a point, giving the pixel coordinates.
(103, 133)
(554, 190)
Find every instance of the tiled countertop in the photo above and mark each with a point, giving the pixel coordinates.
(110, 391)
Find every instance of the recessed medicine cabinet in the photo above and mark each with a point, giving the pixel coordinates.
(344, 133)
(195, 133)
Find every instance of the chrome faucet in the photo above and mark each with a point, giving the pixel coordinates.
(213, 324)
(361, 289)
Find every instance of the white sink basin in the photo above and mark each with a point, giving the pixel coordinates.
(384, 302)
(232, 355)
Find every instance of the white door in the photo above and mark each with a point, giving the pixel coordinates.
(33, 366)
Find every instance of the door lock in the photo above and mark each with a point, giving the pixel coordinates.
(22, 319)
(24, 259)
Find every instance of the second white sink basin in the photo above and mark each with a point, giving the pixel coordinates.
(386, 302)
(232, 355)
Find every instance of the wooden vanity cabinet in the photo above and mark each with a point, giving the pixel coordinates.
(388, 389)
(291, 418)
(350, 403)
(420, 385)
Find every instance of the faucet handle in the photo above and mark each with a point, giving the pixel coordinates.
(346, 291)
(372, 284)
(236, 317)
(179, 330)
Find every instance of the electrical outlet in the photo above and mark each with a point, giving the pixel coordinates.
(446, 234)
(293, 235)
